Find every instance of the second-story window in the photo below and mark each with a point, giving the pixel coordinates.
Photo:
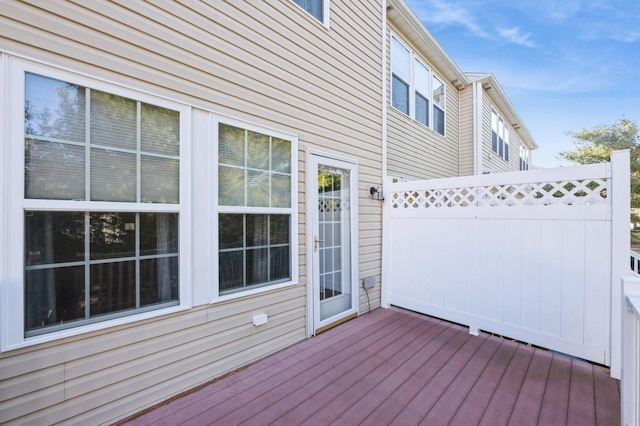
(499, 136)
(438, 105)
(415, 90)
(524, 158)
(319, 9)
(401, 76)
(422, 93)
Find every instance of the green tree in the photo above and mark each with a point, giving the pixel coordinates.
(596, 144)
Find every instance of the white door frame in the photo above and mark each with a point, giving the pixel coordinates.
(315, 156)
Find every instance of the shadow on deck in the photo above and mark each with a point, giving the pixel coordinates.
(397, 367)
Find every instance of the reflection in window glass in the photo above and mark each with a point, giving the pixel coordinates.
(119, 130)
(88, 262)
(313, 7)
(400, 60)
(120, 260)
(438, 92)
(262, 178)
(400, 95)
(422, 109)
(499, 136)
(254, 250)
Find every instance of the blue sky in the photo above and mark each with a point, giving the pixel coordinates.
(566, 65)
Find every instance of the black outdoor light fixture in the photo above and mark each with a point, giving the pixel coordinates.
(376, 194)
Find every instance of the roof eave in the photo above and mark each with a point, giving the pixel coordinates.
(399, 14)
(498, 95)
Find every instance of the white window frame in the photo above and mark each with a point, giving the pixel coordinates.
(14, 204)
(501, 135)
(215, 121)
(413, 59)
(326, 7)
(524, 157)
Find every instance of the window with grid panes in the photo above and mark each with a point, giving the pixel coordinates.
(101, 205)
(415, 90)
(255, 209)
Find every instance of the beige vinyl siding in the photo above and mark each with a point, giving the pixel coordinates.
(467, 151)
(415, 151)
(268, 63)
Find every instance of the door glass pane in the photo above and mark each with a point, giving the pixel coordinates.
(334, 213)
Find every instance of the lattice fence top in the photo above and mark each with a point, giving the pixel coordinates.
(573, 192)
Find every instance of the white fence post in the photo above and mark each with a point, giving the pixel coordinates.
(386, 229)
(630, 381)
(620, 248)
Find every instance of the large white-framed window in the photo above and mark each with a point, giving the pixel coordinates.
(319, 9)
(415, 89)
(98, 205)
(499, 136)
(257, 209)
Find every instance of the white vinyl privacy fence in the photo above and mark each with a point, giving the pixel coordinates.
(536, 256)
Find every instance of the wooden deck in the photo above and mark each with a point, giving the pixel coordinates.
(397, 367)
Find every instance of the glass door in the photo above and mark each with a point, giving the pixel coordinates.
(334, 239)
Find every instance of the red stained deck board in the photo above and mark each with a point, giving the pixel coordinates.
(555, 403)
(398, 366)
(527, 407)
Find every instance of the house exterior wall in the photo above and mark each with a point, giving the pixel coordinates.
(467, 151)
(491, 161)
(415, 151)
(267, 63)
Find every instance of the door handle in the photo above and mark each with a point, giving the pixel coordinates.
(316, 242)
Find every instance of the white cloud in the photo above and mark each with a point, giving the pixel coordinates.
(561, 10)
(515, 35)
(439, 12)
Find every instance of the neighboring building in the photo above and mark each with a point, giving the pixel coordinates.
(186, 187)
(442, 122)
(423, 100)
(493, 124)
(173, 176)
